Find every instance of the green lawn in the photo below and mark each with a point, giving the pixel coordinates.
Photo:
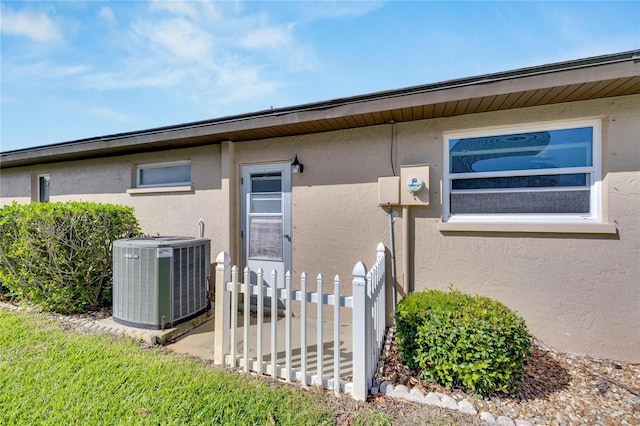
(49, 376)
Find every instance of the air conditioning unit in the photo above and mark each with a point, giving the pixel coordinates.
(159, 282)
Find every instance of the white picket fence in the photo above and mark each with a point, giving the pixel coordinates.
(367, 307)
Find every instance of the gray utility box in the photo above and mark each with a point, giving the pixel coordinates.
(159, 282)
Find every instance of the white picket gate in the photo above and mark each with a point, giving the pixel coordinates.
(367, 305)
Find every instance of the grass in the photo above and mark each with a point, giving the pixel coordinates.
(52, 377)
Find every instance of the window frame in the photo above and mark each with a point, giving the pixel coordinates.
(594, 177)
(141, 167)
(39, 187)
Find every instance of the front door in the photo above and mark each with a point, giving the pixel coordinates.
(266, 222)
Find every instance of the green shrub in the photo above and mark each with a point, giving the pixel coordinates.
(58, 256)
(458, 340)
(4, 292)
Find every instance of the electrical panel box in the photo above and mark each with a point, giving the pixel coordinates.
(414, 185)
(389, 191)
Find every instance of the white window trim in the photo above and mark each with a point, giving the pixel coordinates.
(160, 189)
(533, 222)
(141, 167)
(38, 189)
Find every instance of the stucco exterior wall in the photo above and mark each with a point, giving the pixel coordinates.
(15, 185)
(577, 292)
(108, 179)
(335, 213)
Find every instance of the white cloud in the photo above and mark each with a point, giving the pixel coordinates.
(65, 70)
(109, 114)
(42, 70)
(217, 55)
(569, 27)
(134, 78)
(255, 90)
(573, 38)
(195, 10)
(36, 26)
(105, 113)
(267, 37)
(177, 37)
(106, 13)
(338, 8)
(208, 61)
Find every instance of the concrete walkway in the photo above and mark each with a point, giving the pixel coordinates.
(197, 336)
(199, 342)
(157, 337)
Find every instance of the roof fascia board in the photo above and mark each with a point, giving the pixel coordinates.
(490, 89)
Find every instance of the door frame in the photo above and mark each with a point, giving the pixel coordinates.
(246, 170)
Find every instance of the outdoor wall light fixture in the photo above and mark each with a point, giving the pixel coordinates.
(297, 166)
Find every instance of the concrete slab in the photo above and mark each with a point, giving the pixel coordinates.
(158, 337)
(196, 342)
(200, 340)
(197, 337)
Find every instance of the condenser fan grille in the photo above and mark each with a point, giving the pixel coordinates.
(189, 264)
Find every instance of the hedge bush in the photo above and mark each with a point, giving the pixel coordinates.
(58, 256)
(471, 342)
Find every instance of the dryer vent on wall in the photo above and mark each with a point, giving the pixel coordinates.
(159, 282)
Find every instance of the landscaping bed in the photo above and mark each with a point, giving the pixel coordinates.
(558, 389)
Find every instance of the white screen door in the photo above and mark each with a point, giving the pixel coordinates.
(266, 222)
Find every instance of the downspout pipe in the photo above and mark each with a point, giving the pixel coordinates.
(393, 261)
(406, 231)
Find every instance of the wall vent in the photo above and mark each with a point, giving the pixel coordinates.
(159, 282)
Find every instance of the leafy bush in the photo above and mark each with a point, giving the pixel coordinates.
(58, 256)
(3, 292)
(459, 340)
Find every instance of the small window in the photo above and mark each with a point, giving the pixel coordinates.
(173, 173)
(535, 173)
(43, 188)
(265, 217)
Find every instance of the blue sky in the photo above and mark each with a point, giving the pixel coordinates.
(73, 69)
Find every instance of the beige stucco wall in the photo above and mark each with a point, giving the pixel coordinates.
(578, 293)
(335, 212)
(108, 179)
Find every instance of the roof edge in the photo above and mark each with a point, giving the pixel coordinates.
(632, 55)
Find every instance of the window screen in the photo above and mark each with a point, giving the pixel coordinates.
(265, 217)
(164, 174)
